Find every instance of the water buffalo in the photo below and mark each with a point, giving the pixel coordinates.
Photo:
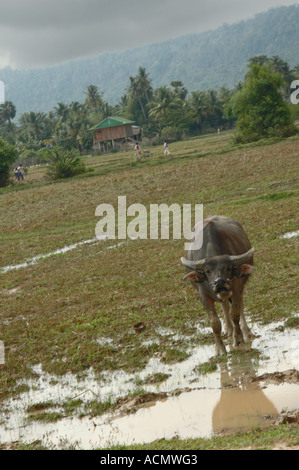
(219, 271)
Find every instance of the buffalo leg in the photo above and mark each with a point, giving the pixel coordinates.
(227, 319)
(235, 314)
(215, 324)
(247, 334)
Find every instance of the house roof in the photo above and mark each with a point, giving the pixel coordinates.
(111, 122)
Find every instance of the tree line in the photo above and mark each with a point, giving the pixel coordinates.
(169, 111)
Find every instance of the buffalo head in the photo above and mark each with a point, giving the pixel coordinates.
(219, 271)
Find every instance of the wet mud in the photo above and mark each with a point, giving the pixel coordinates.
(256, 387)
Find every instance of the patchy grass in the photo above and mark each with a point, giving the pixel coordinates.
(285, 437)
(66, 301)
(282, 437)
(53, 312)
(153, 379)
(206, 367)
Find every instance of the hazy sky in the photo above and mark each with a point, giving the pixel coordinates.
(35, 33)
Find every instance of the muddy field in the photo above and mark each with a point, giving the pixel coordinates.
(254, 388)
(74, 373)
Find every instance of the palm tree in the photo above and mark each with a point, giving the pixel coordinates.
(179, 89)
(224, 97)
(140, 88)
(70, 133)
(61, 111)
(93, 100)
(7, 113)
(121, 105)
(163, 105)
(107, 110)
(282, 67)
(144, 83)
(214, 106)
(33, 125)
(134, 93)
(199, 106)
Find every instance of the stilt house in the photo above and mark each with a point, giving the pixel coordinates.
(116, 130)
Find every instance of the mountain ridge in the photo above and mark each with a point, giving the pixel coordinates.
(201, 61)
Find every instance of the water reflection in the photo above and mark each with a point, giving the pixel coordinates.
(242, 402)
(196, 405)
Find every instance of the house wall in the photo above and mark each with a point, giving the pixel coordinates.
(112, 133)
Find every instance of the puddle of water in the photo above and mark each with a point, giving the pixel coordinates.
(204, 404)
(291, 234)
(65, 249)
(2, 353)
(281, 348)
(35, 259)
(201, 413)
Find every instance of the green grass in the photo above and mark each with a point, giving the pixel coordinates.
(257, 439)
(64, 303)
(90, 292)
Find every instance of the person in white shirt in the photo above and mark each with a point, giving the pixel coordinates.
(166, 151)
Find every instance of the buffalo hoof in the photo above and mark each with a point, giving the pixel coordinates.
(227, 335)
(251, 336)
(220, 350)
(238, 342)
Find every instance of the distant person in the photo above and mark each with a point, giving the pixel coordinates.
(166, 151)
(137, 149)
(20, 169)
(16, 173)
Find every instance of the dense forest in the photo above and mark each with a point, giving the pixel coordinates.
(169, 111)
(204, 61)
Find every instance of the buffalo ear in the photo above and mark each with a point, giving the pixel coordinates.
(194, 276)
(244, 270)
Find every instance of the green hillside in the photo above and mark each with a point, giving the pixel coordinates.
(201, 61)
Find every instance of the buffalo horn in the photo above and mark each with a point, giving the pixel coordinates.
(235, 259)
(192, 264)
(239, 259)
